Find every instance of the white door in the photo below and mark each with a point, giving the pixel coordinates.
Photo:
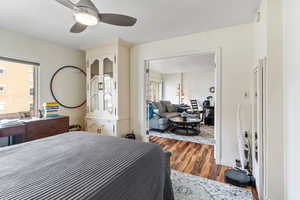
(258, 127)
(102, 127)
(109, 105)
(92, 126)
(109, 128)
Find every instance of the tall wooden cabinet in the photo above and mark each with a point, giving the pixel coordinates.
(108, 89)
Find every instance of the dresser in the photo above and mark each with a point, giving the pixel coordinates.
(35, 129)
(46, 127)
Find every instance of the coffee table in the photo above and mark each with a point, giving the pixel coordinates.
(188, 125)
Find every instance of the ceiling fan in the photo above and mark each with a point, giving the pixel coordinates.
(86, 14)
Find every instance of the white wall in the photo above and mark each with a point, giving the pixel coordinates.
(268, 40)
(260, 32)
(51, 57)
(275, 164)
(155, 76)
(291, 29)
(196, 85)
(170, 84)
(237, 61)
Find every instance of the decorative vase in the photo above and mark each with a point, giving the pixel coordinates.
(184, 116)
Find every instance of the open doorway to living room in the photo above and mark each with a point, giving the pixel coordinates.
(181, 98)
(183, 109)
(183, 115)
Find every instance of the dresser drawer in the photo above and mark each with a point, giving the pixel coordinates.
(46, 127)
(13, 131)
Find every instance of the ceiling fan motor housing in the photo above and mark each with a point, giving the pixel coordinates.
(86, 14)
(88, 7)
(88, 11)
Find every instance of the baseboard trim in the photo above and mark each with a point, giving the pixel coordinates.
(226, 163)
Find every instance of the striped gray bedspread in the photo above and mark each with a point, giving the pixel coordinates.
(80, 165)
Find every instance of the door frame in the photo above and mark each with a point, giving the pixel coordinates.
(218, 95)
(260, 127)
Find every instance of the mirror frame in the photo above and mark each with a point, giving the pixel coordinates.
(52, 92)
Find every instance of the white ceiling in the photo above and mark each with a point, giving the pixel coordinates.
(191, 63)
(157, 19)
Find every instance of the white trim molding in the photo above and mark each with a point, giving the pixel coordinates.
(218, 95)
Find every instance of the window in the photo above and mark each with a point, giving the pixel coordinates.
(30, 75)
(18, 89)
(2, 106)
(155, 90)
(2, 88)
(31, 106)
(31, 91)
(2, 70)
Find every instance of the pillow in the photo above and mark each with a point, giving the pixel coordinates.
(171, 108)
(158, 106)
(164, 105)
(155, 105)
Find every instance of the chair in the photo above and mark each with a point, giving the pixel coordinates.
(209, 115)
(195, 109)
(194, 104)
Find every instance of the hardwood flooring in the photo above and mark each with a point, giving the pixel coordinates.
(193, 158)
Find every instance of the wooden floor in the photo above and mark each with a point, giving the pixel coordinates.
(193, 158)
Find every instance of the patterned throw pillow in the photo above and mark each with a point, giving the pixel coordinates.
(155, 105)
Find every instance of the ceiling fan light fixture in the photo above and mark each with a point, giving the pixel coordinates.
(86, 18)
(86, 14)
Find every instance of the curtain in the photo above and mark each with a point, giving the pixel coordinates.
(155, 90)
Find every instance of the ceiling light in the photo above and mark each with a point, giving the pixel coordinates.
(86, 18)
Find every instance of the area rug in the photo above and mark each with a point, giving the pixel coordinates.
(189, 187)
(206, 136)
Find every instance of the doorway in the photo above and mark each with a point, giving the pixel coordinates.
(175, 80)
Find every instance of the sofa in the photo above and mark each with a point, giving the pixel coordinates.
(163, 111)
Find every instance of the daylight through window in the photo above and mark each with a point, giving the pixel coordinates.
(17, 87)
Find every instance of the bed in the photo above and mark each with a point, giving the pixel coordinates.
(80, 165)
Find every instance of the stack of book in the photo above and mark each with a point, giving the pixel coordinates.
(51, 109)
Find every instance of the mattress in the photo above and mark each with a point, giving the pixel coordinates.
(80, 165)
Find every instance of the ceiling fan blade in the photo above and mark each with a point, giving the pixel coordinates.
(118, 20)
(87, 3)
(78, 28)
(67, 3)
